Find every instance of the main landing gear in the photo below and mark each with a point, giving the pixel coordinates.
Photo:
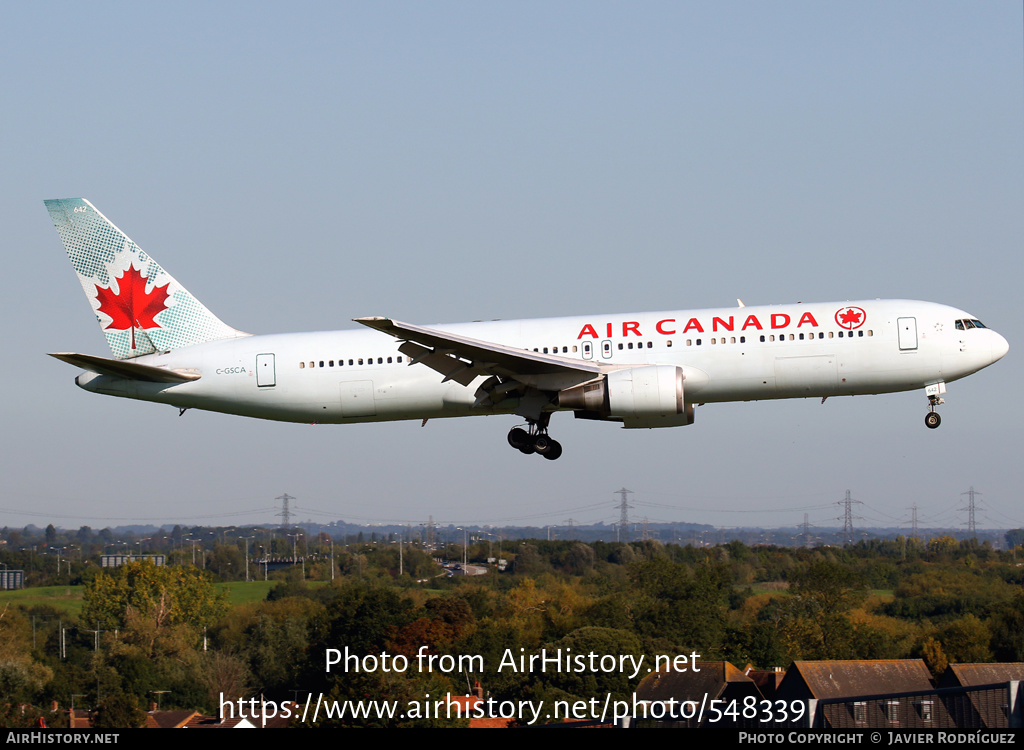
(536, 439)
(934, 393)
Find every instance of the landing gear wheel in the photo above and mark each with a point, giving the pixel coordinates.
(932, 420)
(535, 439)
(554, 450)
(519, 438)
(542, 444)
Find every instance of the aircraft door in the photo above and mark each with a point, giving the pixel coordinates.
(588, 350)
(606, 349)
(907, 331)
(266, 377)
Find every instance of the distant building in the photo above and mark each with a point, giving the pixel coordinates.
(12, 579)
(116, 561)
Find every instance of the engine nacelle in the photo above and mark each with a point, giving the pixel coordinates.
(650, 396)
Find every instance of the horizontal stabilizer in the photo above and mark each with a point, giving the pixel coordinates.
(119, 368)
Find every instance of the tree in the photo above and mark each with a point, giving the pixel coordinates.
(966, 640)
(146, 599)
(585, 684)
(580, 558)
(824, 592)
(228, 562)
(119, 711)
(934, 657)
(1014, 538)
(942, 545)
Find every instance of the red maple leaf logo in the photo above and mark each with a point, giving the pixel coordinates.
(850, 317)
(131, 306)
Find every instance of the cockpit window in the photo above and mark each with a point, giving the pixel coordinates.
(965, 324)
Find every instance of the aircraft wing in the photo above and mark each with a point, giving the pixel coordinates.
(463, 359)
(122, 368)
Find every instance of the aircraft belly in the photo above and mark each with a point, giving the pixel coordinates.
(356, 398)
(806, 375)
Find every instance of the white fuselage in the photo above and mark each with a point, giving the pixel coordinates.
(728, 354)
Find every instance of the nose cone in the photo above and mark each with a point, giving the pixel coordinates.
(1000, 347)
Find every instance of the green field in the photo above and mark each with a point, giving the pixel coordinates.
(64, 598)
(240, 592)
(69, 598)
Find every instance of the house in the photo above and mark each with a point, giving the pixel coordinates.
(995, 699)
(686, 695)
(887, 693)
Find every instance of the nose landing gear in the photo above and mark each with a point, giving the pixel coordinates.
(535, 439)
(934, 393)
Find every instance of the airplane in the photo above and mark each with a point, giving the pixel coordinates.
(641, 370)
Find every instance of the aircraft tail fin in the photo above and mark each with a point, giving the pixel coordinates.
(140, 307)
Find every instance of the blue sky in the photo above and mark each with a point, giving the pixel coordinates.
(297, 167)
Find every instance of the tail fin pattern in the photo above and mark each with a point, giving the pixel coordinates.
(139, 306)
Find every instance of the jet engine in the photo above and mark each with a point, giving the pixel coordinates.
(650, 396)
